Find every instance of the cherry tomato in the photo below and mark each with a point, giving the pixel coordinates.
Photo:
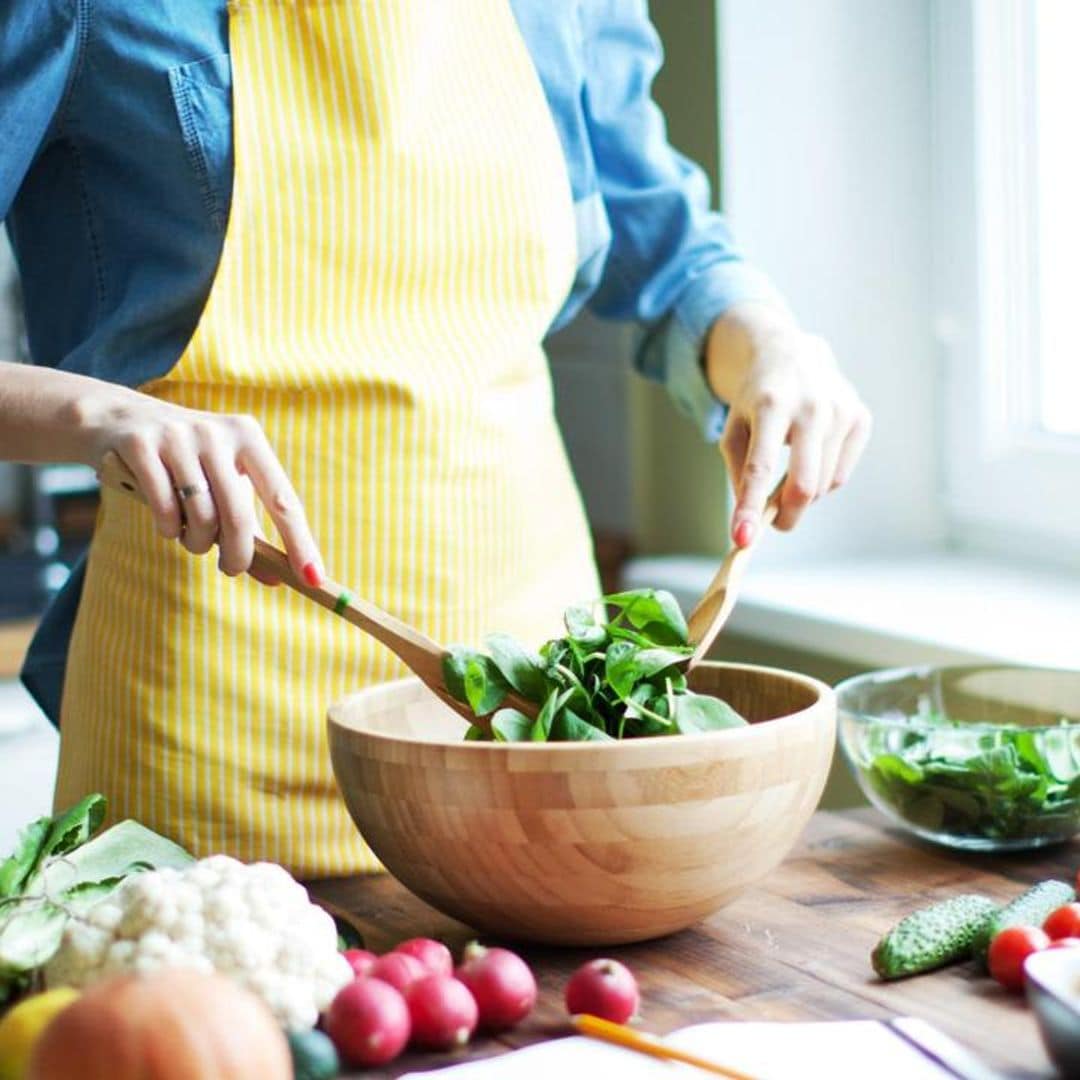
(1010, 949)
(1063, 922)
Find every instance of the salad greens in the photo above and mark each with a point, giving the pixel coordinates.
(57, 872)
(612, 676)
(1002, 783)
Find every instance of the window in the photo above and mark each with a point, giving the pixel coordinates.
(1007, 281)
(1057, 198)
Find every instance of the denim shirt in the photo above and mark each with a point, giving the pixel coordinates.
(116, 171)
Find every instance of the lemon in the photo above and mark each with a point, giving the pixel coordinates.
(21, 1028)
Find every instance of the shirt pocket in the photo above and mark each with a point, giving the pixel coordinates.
(202, 95)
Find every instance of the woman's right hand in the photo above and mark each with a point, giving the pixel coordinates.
(197, 471)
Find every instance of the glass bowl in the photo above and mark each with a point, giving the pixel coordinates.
(984, 757)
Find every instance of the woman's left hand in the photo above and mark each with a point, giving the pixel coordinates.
(784, 388)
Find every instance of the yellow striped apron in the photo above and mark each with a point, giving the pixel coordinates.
(401, 236)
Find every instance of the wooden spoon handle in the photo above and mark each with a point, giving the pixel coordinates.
(422, 655)
(715, 606)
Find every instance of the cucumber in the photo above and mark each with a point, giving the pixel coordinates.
(933, 936)
(1028, 909)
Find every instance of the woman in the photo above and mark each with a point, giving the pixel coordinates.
(415, 193)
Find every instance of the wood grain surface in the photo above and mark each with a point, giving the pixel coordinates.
(795, 947)
(585, 843)
(14, 641)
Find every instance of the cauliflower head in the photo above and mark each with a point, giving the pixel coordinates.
(251, 922)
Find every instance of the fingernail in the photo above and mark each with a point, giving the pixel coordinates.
(744, 533)
(313, 574)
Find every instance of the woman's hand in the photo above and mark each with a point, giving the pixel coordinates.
(197, 471)
(784, 388)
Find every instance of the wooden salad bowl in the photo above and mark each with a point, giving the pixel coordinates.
(585, 843)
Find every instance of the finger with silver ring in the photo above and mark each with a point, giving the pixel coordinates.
(188, 491)
(193, 494)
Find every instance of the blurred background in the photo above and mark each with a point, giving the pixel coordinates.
(905, 172)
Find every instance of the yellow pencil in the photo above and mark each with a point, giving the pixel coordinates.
(621, 1035)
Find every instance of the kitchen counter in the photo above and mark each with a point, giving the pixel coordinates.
(795, 948)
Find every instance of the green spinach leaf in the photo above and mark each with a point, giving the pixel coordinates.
(523, 670)
(569, 727)
(697, 713)
(485, 688)
(603, 680)
(582, 627)
(509, 725)
(654, 611)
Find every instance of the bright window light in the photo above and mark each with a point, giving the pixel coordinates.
(1057, 73)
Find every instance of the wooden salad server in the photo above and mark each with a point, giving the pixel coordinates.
(713, 609)
(418, 652)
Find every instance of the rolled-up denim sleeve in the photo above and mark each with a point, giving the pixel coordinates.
(38, 45)
(673, 264)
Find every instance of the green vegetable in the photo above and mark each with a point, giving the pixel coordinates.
(610, 677)
(56, 871)
(1001, 784)
(313, 1055)
(48, 838)
(932, 937)
(1030, 908)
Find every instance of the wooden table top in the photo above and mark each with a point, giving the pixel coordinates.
(796, 947)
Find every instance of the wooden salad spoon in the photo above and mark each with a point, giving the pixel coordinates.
(423, 656)
(713, 609)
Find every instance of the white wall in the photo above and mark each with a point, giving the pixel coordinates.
(826, 140)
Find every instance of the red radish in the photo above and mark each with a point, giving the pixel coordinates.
(368, 1022)
(398, 969)
(501, 982)
(604, 988)
(442, 1010)
(434, 955)
(360, 960)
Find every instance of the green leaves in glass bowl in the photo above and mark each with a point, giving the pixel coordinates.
(983, 756)
(615, 674)
(1005, 785)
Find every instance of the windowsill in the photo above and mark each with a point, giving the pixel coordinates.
(889, 612)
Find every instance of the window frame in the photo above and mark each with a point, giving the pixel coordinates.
(1007, 485)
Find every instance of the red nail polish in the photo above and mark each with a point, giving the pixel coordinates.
(744, 533)
(313, 574)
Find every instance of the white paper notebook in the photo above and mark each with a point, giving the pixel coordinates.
(839, 1050)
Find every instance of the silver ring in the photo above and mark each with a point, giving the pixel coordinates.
(187, 491)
